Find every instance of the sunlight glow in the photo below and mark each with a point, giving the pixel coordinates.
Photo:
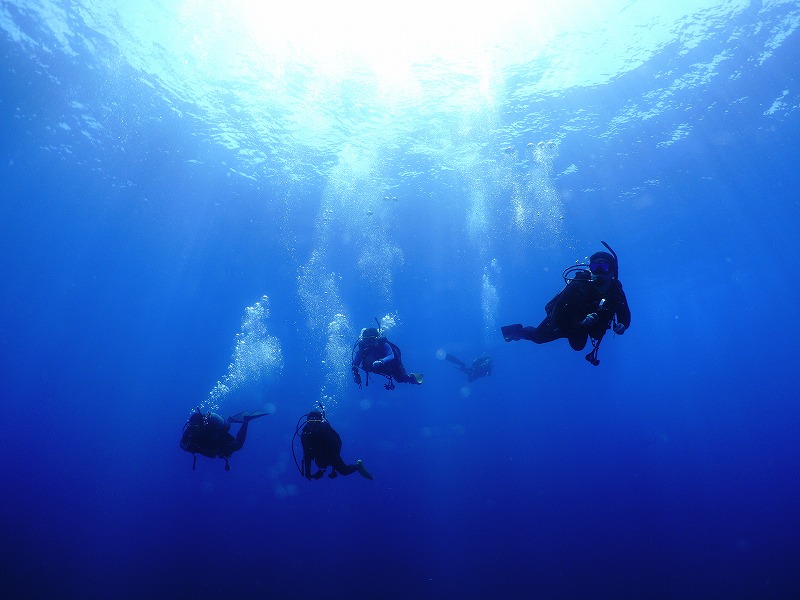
(388, 42)
(407, 48)
(349, 76)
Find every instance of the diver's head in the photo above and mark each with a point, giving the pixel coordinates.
(315, 415)
(191, 430)
(370, 336)
(188, 442)
(602, 265)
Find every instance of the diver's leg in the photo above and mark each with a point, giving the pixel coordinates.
(240, 437)
(542, 334)
(398, 371)
(578, 340)
(321, 466)
(456, 361)
(342, 468)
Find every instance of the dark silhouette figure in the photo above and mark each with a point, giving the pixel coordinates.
(375, 354)
(480, 367)
(592, 302)
(207, 434)
(322, 445)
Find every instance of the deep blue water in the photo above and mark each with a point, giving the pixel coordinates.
(154, 220)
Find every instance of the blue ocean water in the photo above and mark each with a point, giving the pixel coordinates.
(204, 202)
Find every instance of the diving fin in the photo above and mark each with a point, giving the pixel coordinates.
(417, 377)
(362, 470)
(512, 333)
(455, 360)
(244, 417)
(255, 414)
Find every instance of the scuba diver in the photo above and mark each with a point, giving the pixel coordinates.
(323, 445)
(480, 367)
(207, 434)
(591, 303)
(375, 354)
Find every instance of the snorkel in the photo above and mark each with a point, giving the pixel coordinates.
(614, 254)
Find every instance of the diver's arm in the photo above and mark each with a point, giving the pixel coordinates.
(621, 307)
(357, 358)
(388, 357)
(389, 353)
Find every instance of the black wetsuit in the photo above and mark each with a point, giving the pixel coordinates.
(211, 439)
(323, 445)
(569, 308)
(385, 350)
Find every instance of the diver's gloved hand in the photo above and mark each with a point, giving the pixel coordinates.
(619, 328)
(512, 333)
(356, 377)
(589, 320)
(377, 364)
